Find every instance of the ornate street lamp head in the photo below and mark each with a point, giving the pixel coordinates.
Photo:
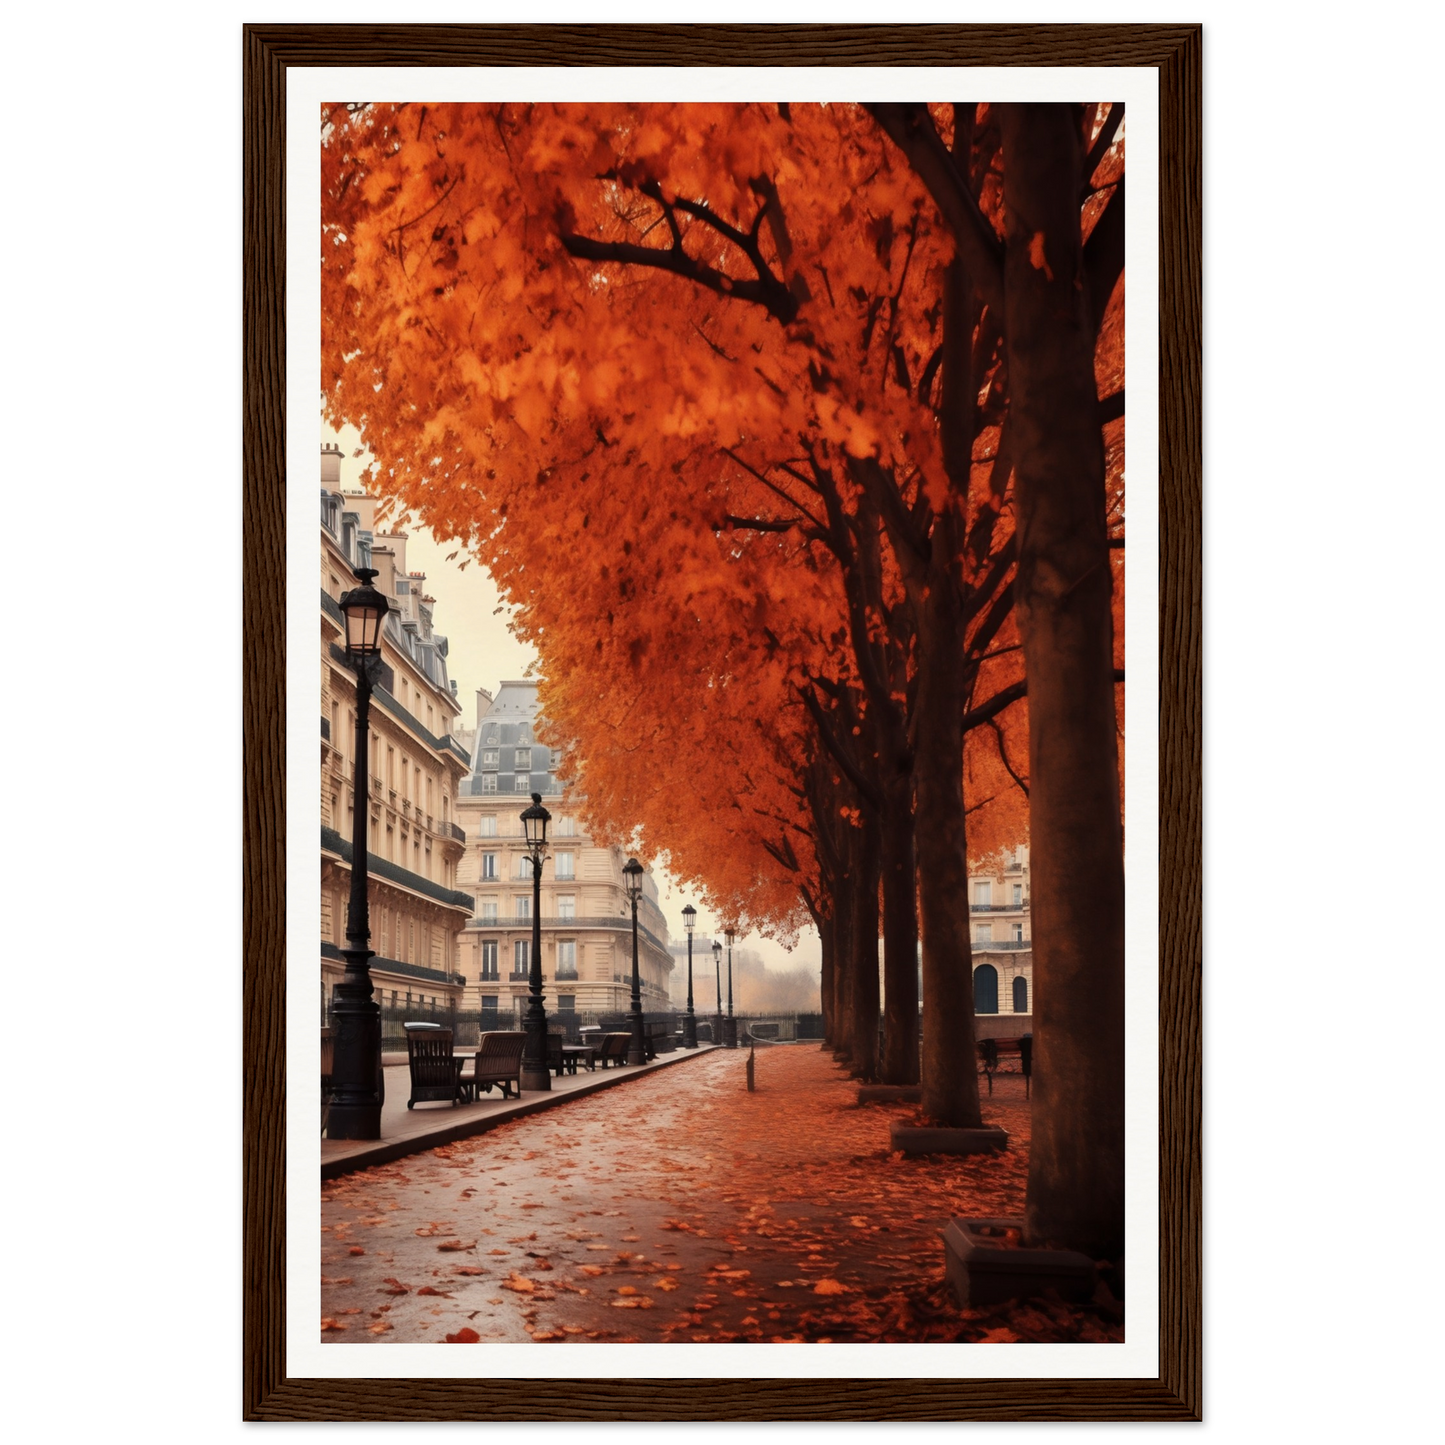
(716, 950)
(632, 876)
(728, 934)
(689, 917)
(534, 825)
(365, 611)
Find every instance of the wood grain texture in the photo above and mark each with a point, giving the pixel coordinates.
(1176, 52)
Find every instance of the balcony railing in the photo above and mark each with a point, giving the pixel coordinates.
(395, 965)
(333, 842)
(566, 975)
(623, 925)
(520, 975)
(1020, 906)
(984, 945)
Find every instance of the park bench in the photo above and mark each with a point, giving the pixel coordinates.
(992, 1051)
(612, 1049)
(435, 1072)
(498, 1061)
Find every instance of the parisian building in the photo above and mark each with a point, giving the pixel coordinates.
(1003, 959)
(586, 919)
(417, 911)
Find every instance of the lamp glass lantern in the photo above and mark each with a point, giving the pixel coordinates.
(364, 609)
(534, 826)
(632, 874)
(689, 918)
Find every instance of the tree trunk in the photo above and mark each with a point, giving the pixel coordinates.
(949, 1067)
(899, 1064)
(1076, 1162)
(825, 982)
(843, 967)
(863, 1004)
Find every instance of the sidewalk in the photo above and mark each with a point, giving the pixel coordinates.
(405, 1131)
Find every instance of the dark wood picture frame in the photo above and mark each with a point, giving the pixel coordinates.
(1175, 51)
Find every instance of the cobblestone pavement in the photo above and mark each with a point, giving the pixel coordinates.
(679, 1207)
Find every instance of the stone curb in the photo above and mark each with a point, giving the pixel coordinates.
(983, 1272)
(923, 1139)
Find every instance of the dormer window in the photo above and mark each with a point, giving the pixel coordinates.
(524, 759)
(489, 759)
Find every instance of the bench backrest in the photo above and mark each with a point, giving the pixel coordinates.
(614, 1046)
(501, 1050)
(429, 1055)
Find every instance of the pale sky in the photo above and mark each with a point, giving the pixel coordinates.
(482, 651)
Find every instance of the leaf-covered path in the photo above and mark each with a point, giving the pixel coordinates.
(680, 1207)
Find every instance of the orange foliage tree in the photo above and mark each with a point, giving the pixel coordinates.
(722, 395)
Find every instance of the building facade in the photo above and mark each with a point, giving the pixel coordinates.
(1003, 959)
(417, 911)
(586, 918)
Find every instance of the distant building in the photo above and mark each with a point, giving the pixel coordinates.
(414, 845)
(586, 919)
(1003, 951)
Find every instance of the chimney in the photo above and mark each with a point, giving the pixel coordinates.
(397, 542)
(331, 468)
(484, 704)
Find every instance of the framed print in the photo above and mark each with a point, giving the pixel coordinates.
(288, 71)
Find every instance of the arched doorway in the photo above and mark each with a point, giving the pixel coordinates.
(985, 989)
(1021, 995)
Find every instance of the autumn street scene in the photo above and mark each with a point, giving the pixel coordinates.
(722, 717)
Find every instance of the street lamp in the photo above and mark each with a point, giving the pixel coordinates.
(689, 1021)
(731, 1027)
(637, 1046)
(356, 1085)
(717, 1033)
(535, 1074)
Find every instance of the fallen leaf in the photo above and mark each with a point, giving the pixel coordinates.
(464, 1336)
(592, 1269)
(829, 1286)
(519, 1284)
(327, 1323)
(456, 1244)
(999, 1336)
(395, 1286)
(441, 1293)
(381, 1327)
(665, 1284)
(356, 1249)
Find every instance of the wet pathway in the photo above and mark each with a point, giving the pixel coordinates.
(677, 1207)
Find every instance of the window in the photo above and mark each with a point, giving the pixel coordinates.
(567, 827)
(566, 1003)
(524, 866)
(489, 1003)
(521, 956)
(489, 782)
(985, 989)
(524, 908)
(489, 865)
(524, 759)
(489, 958)
(487, 826)
(489, 758)
(564, 865)
(1018, 894)
(1018, 933)
(522, 783)
(489, 910)
(983, 933)
(1021, 995)
(567, 959)
(567, 905)
(982, 894)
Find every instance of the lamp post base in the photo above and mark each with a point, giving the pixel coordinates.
(689, 1030)
(637, 1044)
(730, 1032)
(535, 1074)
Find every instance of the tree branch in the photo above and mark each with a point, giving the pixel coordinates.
(774, 298)
(911, 129)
